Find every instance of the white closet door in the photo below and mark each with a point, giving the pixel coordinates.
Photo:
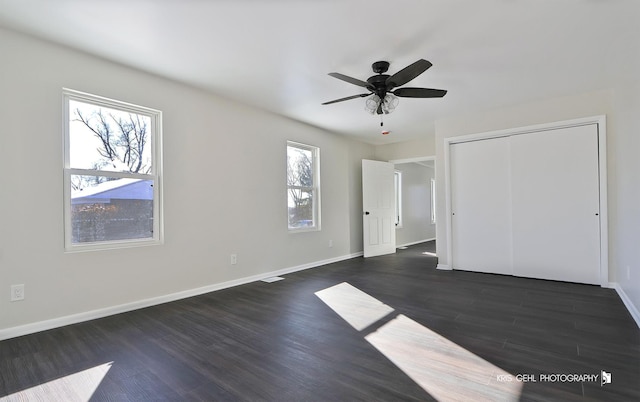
(555, 220)
(481, 206)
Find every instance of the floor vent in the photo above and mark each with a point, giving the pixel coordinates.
(273, 279)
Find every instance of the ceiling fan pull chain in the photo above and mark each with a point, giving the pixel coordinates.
(381, 123)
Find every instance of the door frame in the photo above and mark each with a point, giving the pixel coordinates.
(418, 159)
(600, 121)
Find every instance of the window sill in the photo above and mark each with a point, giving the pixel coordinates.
(304, 230)
(112, 245)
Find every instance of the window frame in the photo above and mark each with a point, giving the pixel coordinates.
(155, 175)
(433, 201)
(397, 184)
(315, 188)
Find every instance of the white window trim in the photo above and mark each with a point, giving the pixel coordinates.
(155, 174)
(315, 189)
(433, 201)
(398, 194)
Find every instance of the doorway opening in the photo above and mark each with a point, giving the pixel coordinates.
(416, 195)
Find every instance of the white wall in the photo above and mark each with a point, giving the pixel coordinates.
(624, 188)
(416, 204)
(421, 147)
(620, 104)
(224, 189)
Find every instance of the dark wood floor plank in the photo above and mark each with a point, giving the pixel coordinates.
(279, 342)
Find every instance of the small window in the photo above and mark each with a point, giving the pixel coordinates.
(111, 171)
(433, 201)
(303, 187)
(397, 180)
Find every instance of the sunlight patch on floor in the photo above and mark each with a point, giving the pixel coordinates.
(354, 306)
(429, 253)
(447, 371)
(76, 387)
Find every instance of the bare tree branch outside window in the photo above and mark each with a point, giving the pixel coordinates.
(123, 140)
(300, 187)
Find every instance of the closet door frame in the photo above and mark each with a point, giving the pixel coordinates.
(601, 123)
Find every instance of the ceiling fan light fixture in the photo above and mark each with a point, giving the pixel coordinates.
(389, 103)
(371, 105)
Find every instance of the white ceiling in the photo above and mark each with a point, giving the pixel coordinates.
(275, 54)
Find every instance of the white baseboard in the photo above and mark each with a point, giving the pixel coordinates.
(31, 328)
(444, 267)
(627, 302)
(414, 242)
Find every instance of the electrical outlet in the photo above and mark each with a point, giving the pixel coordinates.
(234, 259)
(330, 243)
(17, 292)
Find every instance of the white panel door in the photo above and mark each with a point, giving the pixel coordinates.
(378, 203)
(555, 218)
(481, 206)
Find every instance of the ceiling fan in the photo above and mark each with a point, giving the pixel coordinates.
(383, 87)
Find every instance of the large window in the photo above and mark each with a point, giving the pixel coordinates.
(112, 173)
(303, 187)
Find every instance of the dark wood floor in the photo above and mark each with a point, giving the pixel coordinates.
(279, 342)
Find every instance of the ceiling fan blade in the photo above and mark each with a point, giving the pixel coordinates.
(419, 93)
(347, 98)
(350, 80)
(408, 73)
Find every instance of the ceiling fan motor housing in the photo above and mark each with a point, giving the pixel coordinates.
(378, 84)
